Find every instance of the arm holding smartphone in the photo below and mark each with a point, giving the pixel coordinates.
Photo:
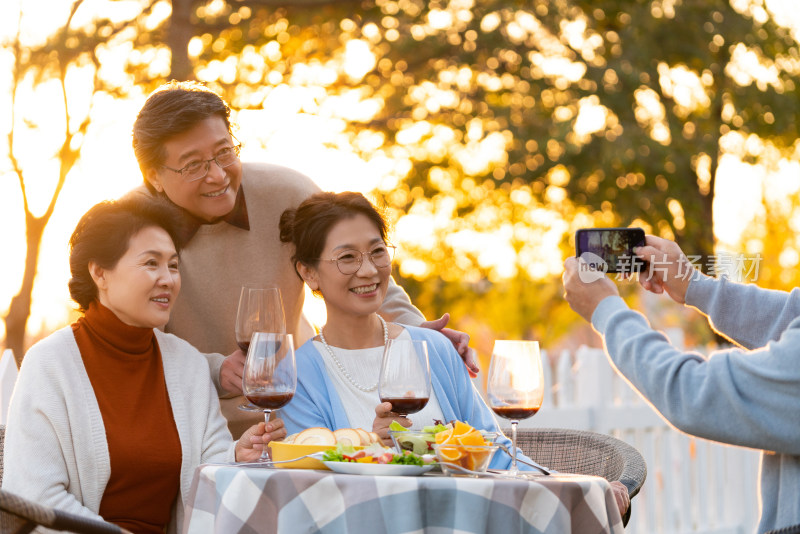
(744, 313)
(734, 396)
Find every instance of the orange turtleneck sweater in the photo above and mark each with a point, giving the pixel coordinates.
(124, 366)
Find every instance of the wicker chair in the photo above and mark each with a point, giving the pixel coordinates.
(794, 529)
(20, 516)
(587, 453)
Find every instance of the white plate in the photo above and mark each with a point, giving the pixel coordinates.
(354, 468)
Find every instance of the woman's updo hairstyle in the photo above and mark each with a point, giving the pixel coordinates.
(308, 225)
(103, 235)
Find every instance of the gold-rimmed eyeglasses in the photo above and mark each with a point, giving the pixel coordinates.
(198, 169)
(349, 261)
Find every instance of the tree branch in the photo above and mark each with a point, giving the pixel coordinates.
(15, 80)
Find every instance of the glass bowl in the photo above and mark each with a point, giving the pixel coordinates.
(470, 457)
(421, 443)
(415, 441)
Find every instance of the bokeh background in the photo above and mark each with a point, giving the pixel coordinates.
(490, 129)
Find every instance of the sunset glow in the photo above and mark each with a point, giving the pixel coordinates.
(296, 123)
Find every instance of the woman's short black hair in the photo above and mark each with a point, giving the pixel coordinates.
(172, 109)
(308, 225)
(103, 235)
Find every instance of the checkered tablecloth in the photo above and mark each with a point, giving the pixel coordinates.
(228, 499)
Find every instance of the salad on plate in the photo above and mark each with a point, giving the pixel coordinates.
(376, 454)
(376, 460)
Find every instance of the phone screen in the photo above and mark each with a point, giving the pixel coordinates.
(612, 246)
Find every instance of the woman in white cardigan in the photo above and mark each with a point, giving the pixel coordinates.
(110, 416)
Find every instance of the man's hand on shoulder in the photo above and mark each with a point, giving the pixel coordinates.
(460, 341)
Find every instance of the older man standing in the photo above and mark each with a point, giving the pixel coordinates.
(187, 153)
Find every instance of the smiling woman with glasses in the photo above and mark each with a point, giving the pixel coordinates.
(349, 260)
(341, 253)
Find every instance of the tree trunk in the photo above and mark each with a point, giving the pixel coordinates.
(180, 33)
(20, 308)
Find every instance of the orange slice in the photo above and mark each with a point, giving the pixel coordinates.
(443, 436)
(475, 458)
(450, 453)
(471, 438)
(462, 428)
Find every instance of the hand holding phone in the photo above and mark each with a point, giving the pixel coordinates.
(610, 250)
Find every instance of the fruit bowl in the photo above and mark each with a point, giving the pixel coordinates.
(471, 457)
(421, 443)
(286, 451)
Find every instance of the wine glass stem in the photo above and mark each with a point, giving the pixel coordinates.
(514, 447)
(264, 454)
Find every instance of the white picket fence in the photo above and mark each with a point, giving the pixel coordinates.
(693, 485)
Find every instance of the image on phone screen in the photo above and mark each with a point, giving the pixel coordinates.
(614, 246)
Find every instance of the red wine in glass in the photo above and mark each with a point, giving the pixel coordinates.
(269, 378)
(516, 385)
(271, 402)
(406, 405)
(245, 345)
(405, 378)
(515, 412)
(260, 310)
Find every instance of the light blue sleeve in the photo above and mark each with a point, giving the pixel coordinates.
(311, 406)
(735, 396)
(744, 313)
(461, 400)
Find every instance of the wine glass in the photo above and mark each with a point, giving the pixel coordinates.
(270, 374)
(405, 378)
(516, 385)
(260, 310)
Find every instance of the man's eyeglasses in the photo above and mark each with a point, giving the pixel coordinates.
(198, 169)
(349, 261)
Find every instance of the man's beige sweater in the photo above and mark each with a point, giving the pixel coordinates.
(220, 258)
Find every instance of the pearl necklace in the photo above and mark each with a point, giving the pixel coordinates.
(341, 367)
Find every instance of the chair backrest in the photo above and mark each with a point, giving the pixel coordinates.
(584, 452)
(19, 516)
(794, 529)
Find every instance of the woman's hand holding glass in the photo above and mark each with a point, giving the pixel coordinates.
(405, 379)
(253, 442)
(384, 416)
(270, 375)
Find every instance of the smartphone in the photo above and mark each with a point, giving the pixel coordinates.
(610, 249)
